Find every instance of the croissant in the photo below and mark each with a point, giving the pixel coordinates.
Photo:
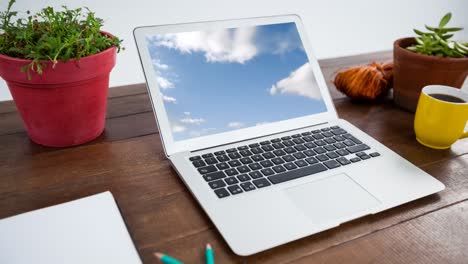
(366, 81)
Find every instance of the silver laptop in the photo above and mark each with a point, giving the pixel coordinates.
(248, 123)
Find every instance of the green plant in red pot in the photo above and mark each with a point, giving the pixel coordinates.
(56, 65)
(430, 58)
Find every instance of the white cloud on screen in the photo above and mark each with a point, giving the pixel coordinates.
(168, 99)
(159, 65)
(235, 124)
(227, 45)
(178, 128)
(300, 82)
(164, 83)
(192, 121)
(187, 113)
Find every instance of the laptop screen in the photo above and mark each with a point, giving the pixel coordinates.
(218, 81)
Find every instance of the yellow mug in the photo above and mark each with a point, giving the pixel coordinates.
(441, 116)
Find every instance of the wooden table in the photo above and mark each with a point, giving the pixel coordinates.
(162, 216)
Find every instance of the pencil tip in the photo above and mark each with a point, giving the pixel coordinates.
(159, 255)
(208, 246)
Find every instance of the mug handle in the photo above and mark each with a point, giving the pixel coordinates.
(464, 88)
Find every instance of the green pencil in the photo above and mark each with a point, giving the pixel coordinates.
(167, 259)
(209, 254)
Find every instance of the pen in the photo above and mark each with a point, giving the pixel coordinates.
(167, 259)
(209, 254)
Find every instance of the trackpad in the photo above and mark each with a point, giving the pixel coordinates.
(332, 199)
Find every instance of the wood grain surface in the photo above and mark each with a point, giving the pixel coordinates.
(161, 215)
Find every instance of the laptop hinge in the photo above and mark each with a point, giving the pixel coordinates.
(267, 135)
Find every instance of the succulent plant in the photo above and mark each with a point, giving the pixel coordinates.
(436, 42)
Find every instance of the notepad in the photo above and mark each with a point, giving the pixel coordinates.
(87, 230)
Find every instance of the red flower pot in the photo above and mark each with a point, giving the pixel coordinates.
(66, 105)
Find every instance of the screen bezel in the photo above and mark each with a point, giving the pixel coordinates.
(170, 145)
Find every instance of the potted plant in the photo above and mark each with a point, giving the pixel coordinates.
(430, 58)
(56, 65)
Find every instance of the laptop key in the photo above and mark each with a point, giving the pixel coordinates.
(301, 163)
(290, 166)
(355, 159)
(234, 155)
(322, 157)
(309, 153)
(306, 133)
(243, 169)
(268, 155)
(234, 163)
(288, 143)
(255, 166)
(244, 177)
(320, 150)
(267, 148)
(254, 145)
(332, 155)
(349, 143)
(256, 150)
(207, 169)
(329, 147)
(231, 172)
(279, 152)
(279, 169)
(267, 172)
(300, 147)
(358, 148)
(330, 140)
(320, 143)
(246, 160)
(331, 164)
(289, 150)
(221, 152)
(257, 158)
(194, 158)
(216, 184)
(199, 163)
(222, 166)
(207, 155)
(231, 180)
(266, 163)
(288, 158)
(275, 140)
(308, 138)
(342, 152)
(374, 154)
(327, 134)
(311, 160)
(364, 157)
(310, 145)
(296, 135)
(245, 153)
(255, 175)
(214, 176)
(223, 158)
(299, 155)
(298, 141)
(247, 186)
(231, 150)
(260, 183)
(278, 145)
(339, 138)
(266, 142)
(243, 148)
(286, 138)
(211, 161)
(338, 131)
(295, 174)
(277, 161)
(234, 189)
(343, 161)
(221, 193)
(339, 145)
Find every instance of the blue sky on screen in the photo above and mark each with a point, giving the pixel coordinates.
(217, 81)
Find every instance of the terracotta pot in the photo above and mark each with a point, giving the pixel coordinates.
(66, 105)
(413, 71)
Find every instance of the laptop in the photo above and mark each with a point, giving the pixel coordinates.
(247, 121)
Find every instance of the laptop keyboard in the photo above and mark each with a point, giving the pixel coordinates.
(259, 165)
